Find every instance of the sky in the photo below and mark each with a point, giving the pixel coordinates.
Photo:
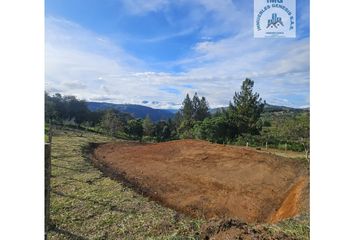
(155, 52)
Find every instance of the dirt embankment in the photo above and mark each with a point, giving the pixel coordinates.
(214, 181)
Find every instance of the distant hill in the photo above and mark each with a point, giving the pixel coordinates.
(173, 110)
(274, 108)
(137, 111)
(269, 108)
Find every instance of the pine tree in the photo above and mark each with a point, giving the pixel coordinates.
(187, 109)
(200, 108)
(187, 122)
(203, 110)
(246, 109)
(196, 106)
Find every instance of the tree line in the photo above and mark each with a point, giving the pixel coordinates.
(70, 111)
(242, 121)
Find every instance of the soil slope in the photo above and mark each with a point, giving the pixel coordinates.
(210, 180)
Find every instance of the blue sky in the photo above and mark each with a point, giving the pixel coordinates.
(154, 52)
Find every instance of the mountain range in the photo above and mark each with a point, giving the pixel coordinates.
(137, 111)
(140, 111)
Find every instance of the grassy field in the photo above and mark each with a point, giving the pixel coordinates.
(288, 154)
(87, 205)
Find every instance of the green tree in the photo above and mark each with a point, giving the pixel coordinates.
(203, 110)
(55, 108)
(216, 128)
(187, 122)
(110, 123)
(50, 109)
(191, 112)
(178, 118)
(200, 108)
(173, 128)
(76, 109)
(195, 107)
(94, 118)
(58, 108)
(246, 109)
(187, 108)
(135, 129)
(148, 126)
(162, 131)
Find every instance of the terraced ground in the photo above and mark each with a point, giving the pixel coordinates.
(86, 204)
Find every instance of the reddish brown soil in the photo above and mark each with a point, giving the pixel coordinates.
(294, 201)
(214, 181)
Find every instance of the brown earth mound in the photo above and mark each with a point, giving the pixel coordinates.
(214, 181)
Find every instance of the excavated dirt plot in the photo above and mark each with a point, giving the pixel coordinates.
(210, 180)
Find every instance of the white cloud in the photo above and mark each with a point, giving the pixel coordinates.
(81, 63)
(278, 67)
(92, 67)
(76, 59)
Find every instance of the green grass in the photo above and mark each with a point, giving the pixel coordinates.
(298, 227)
(87, 205)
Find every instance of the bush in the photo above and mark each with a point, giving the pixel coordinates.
(216, 129)
(149, 139)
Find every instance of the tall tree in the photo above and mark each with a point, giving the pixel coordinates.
(196, 106)
(162, 131)
(50, 109)
(177, 119)
(173, 128)
(187, 122)
(246, 109)
(187, 108)
(110, 122)
(148, 126)
(203, 110)
(76, 109)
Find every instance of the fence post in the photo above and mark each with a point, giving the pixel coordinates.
(47, 169)
(50, 134)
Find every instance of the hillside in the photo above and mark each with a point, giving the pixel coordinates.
(270, 108)
(140, 111)
(137, 111)
(275, 108)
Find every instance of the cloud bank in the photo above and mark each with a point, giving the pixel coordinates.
(96, 68)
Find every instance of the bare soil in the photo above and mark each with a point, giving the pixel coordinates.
(208, 180)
